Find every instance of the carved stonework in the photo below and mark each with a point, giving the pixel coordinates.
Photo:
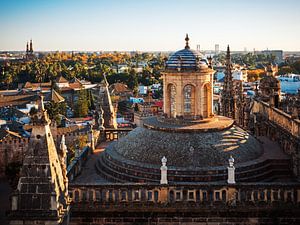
(109, 114)
(42, 193)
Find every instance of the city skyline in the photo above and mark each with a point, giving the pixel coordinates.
(149, 25)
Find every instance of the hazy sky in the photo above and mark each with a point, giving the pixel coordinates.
(95, 25)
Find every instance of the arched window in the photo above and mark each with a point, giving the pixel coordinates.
(172, 91)
(206, 103)
(189, 96)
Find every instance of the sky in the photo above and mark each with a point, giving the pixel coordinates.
(149, 25)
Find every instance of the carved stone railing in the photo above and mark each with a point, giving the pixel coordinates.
(277, 116)
(115, 196)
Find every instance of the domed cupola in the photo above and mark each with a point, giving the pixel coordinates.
(185, 59)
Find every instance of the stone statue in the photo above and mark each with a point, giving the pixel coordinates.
(231, 170)
(100, 119)
(164, 170)
(63, 158)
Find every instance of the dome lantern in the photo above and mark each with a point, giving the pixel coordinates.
(187, 42)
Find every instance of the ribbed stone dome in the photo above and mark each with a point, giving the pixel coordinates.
(200, 149)
(185, 58)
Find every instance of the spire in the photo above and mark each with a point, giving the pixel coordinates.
(227, 93)
(31, 47)
(187, 42)
(109, 115)
(228, 72)
(228, 58)
(27, 48)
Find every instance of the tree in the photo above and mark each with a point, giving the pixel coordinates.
(254, 75)
(285, 70)
(82, 105)
(133, 81)
(296, 66)
(54, 110)
(82, 141)
(8, 79)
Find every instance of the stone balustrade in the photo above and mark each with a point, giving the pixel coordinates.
(277, 116)
(280, 127)
(213, 194)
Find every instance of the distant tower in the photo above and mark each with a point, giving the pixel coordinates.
(198, 48)
(27, 48)
(42, 193)
(227, 98)
(217, 49)
(31, 47)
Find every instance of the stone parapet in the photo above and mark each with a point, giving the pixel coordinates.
(214, 196)
(284, 120)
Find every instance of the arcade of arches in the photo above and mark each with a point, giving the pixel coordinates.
(189, 99)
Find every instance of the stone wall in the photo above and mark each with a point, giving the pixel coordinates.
(277, 116)
(182, 219)
(213, 203)
(12, 149)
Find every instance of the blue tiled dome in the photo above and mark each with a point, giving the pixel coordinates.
(184, 59)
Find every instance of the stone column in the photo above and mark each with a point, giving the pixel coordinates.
(231, 169)
(165, 96)
(211, 95)
(164, 170)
